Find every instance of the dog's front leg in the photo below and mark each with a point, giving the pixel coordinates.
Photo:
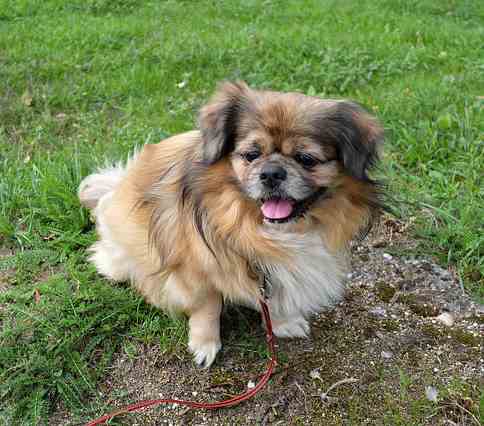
(204, 335)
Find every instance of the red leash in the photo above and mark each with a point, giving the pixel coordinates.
(211, 405)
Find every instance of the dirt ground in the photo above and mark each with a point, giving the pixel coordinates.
(404, 347)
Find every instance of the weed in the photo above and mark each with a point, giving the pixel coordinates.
(82, 81)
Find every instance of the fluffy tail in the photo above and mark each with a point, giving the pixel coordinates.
(95, 186)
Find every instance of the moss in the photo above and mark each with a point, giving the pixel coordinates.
(370, 327)
(412, 356)
(477, 318)
(384, 291)
(390, 325)
(433, 332)
(465, 337)
(457, 335)
(407, 299)
(420, 306)
(227, 381)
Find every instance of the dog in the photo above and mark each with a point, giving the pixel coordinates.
(270, 189)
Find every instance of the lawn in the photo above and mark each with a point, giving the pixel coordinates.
(82, 81)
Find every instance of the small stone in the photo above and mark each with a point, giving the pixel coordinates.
(387, 256)
(446, 318)
(379, 334)
(386, 354)
(378, 311)
(250, 385)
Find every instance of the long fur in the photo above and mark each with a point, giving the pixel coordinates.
(179, 222)
(311, 282)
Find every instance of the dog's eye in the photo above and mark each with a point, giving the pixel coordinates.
(251, 156)
(306, 160)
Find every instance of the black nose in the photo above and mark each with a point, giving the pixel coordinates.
(272, 175)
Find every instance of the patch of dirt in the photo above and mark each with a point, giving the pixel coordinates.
(405, 324)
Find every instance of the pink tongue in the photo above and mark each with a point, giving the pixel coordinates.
(276, 209)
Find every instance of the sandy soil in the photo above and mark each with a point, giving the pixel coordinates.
(405, 328)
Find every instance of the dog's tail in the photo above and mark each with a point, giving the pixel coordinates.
(95, 186)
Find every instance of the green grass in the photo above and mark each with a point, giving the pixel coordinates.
(84, 80)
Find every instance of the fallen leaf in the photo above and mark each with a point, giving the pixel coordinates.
(37, 295)
(431, 393)
(378, 311)
(26, 98)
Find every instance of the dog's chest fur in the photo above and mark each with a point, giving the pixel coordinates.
(310, 282)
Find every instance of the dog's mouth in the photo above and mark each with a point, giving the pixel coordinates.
(280, 209)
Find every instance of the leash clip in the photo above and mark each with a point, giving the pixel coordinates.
(264, 286)
(257, 274)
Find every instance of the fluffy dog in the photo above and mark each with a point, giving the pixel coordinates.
(271, 188)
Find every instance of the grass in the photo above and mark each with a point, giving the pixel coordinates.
(81, 81)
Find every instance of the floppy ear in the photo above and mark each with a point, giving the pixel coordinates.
(218, 120)
(357, 136)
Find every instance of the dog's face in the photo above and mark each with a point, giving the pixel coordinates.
(288, 151)
(285, 173)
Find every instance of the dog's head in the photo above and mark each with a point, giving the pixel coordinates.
(287, 150)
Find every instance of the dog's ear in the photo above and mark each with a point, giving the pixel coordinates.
(219, 119)
(356, 134)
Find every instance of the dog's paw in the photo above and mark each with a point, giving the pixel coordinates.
(204, 353)
(291, 327)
